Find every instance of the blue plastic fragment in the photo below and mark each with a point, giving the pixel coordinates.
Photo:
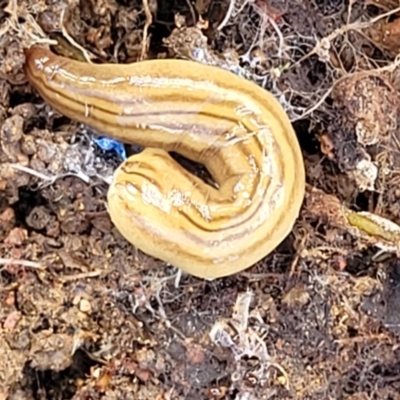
(108, 144)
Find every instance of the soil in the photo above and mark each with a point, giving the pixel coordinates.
(84, 315)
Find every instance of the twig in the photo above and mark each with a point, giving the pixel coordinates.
(71, 39)
(280, 36)
(149, 20)
(316, 105)
(227, 15)
(32, 172)
(342, 30)
(50, 179)
(24, 263)
(83, 275)
(377, 71)
(193, 14)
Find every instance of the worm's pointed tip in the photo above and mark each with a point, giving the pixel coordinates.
(28, 52)
(35, 51)
(35, 57)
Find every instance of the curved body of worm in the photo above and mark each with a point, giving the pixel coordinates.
(236, 129)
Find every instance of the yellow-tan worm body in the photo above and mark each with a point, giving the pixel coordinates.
(236, 129)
